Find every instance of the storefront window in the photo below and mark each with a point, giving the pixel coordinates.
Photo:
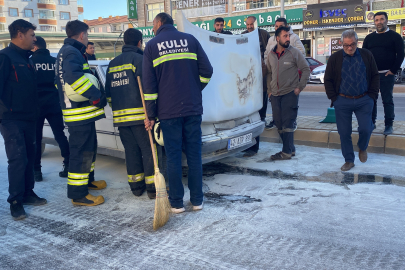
(239, 5)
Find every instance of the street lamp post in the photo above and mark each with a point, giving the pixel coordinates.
(282, 8)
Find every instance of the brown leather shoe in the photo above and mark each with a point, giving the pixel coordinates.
(347, 166)
(280, 156)
(363, 155)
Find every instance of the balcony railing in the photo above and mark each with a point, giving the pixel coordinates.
(46, 2)
(47, 28)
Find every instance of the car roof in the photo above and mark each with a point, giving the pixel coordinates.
(99, 62)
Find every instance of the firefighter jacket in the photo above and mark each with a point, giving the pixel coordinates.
(18, 86)
(44, 64)
(175, 71)
(121, 87)
(71, 64)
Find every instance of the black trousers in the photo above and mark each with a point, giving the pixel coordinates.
(386, 90)
(19, 141)
(53, 114)
(138, 157)
(83, 152)
(285, 111)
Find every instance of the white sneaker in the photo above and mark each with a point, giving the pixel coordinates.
(198, 207)
(178, 210)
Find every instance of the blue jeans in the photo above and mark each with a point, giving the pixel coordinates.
(285, 110)
(344, 109)
(179, 133)
(19, 139)
(386, 89)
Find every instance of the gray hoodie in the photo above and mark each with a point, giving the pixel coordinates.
(283, 77)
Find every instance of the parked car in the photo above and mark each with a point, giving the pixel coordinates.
(400, 75)
(317, 75)
(313, 63)
(231, 120)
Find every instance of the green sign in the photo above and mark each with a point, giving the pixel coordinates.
(238, 22)
(132, 12)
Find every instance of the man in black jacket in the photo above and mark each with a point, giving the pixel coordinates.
(122, 92)
(18, 114)
(263, 39)
(219, 26)
(351, 83)
(49, 107)
(387, 48)
(90, 51)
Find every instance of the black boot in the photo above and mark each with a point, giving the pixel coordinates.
(38, 176)
(151, 191)
(32, 199)
(65, 170)
(138, 191)
(388, 130)
(17, 210)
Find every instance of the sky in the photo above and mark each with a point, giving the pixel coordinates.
(92, 9)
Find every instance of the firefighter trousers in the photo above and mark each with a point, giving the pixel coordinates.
(138, 157)
(83, 151)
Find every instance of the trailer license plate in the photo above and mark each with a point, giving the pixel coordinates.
(239, 141)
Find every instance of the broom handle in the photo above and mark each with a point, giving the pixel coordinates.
(146, 116)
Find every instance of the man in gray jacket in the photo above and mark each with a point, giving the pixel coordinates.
(283, 88)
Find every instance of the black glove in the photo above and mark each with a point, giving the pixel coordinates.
(101, 102)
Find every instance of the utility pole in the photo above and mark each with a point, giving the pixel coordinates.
(282, 8)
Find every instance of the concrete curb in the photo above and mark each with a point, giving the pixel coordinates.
(379, 143)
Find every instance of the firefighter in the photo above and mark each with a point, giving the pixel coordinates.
(49, 107)
(18, 114)
(123, 94)
(175, 70)
(80, 117)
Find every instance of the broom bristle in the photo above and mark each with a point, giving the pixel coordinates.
(162, 204)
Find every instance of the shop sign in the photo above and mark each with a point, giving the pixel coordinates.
(393, 14)
(334, 13)
(132, 13)
(238, 23)
(196, 8)
(336, 45)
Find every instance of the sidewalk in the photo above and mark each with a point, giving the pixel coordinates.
(312, 133)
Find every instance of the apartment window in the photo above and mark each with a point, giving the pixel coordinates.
(65, 15)
(154, 9)
(28, 13)
(63, 28)
(47, 28)
(47, 14)
(63, 2)
(13, 12)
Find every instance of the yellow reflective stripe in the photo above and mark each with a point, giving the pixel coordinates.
(129, 118)
(204, 80)
(78, 182)
(136, 178)
(79, 82)
(121, 68)
(93, 165)
(128, 111)
(85, 66)
(79, 110)
(83, 116)
(84, 88)
(174, 56)
(151, 96)
(78, 175)
(150, 179)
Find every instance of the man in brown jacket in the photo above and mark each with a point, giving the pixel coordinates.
(283, 88)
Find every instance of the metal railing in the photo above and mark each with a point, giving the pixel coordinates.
(46, 2)
(47, 28)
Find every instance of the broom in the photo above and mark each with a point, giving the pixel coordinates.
(162, 204)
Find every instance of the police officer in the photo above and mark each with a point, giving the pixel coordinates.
(80, 117)
(18, 114)
(90, 51)
(49, 107)
(122, 92)
(175, 70)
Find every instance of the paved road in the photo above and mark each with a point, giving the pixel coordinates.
(316, 103)
(249, 222)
